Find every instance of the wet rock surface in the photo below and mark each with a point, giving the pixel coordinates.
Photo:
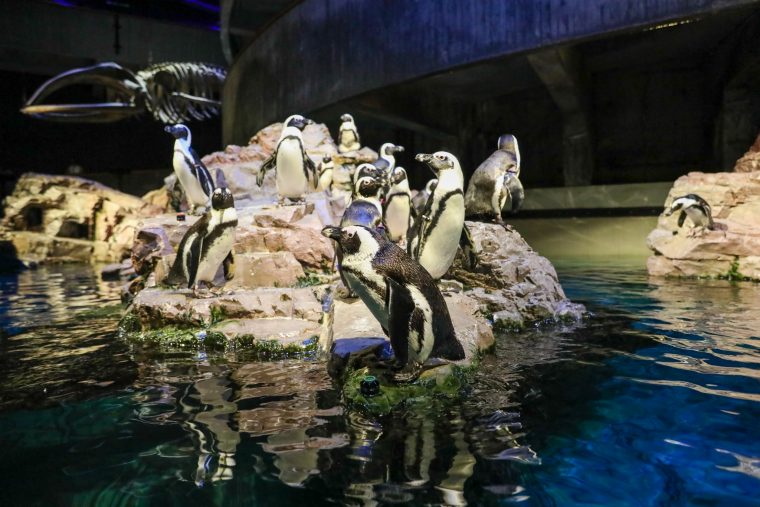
(731, 250)
(512, 283)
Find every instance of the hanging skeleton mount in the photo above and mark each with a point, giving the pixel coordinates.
(171, 92)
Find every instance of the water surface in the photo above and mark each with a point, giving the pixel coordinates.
(653, 400)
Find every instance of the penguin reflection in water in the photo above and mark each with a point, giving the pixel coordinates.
(296, 173)
(191, 173)
(401, 295)
(694, 207)
(207, 244)
(495, 185)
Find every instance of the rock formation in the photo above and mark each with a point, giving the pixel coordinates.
(750, 161)
(731, 250)
(66, 218)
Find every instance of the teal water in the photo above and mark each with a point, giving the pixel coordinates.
(653, 400)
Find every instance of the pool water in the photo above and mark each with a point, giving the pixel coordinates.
(654, 399)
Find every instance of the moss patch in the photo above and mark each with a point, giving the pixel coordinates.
(209, 339)
(434, 387)
(100, 312)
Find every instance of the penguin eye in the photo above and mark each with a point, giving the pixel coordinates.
(440, 157)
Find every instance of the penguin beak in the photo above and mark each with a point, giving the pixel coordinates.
(309, 121)
(332, 232)
(397, 149)
(428, 159)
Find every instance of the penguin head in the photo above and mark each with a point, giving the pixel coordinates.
(685, 201)
(346, 117)
(367, 169)
(178, 131)
(438, 161)
(222, 198)
(367, 186)
(355, 239)
(298, 122)
(389, 149)
(508, 143)
(398, 175)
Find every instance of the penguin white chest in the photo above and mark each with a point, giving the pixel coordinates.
(216, 247)
(397, 216)
(372, 299)
(697, 217)
(441, 239)
(325, 179)
(190, 184)
(291, 178)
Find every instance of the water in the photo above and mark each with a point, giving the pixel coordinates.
(653, 400)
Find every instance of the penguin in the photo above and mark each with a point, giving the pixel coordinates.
(401, 294)
(495, 185)
(207, 244)
(419, 200)
(694, 207)
(397, 206)
(191, 173)
(348, 135)
(438, 230)
(295, 171)
(326, 173)
(387, 160)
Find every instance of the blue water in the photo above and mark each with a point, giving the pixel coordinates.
(653, 400)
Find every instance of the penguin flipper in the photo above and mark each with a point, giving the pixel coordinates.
(681, 218)
(228, 266)
(516, 192)
(268, 164)
(193, 261)
(400, 307)
(468, 248)
(201, 173)
(311, 171)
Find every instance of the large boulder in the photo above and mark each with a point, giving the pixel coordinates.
(67, 218)
(750, 161)
(512, 283)
(731, 250)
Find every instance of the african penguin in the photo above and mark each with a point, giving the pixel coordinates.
(191, 173)
(696, 208)
(400, 294)
(326, 173)
(420, 199)
(296, 173)
(386, 158)
(397, 206)
(207, 244)
(348, 136)
(495, 184)
(438, 230)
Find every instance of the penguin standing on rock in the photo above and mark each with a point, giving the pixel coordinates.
(191, 173)
(296, 172)
(696, 208)
(439, 229)
(207, 244)
(326, 173)
(348, 136)
(401, 294)
(397, 206)
(495, 185)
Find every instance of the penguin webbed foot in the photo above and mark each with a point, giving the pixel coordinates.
(203, 290)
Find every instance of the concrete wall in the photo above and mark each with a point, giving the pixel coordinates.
(322, 52)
